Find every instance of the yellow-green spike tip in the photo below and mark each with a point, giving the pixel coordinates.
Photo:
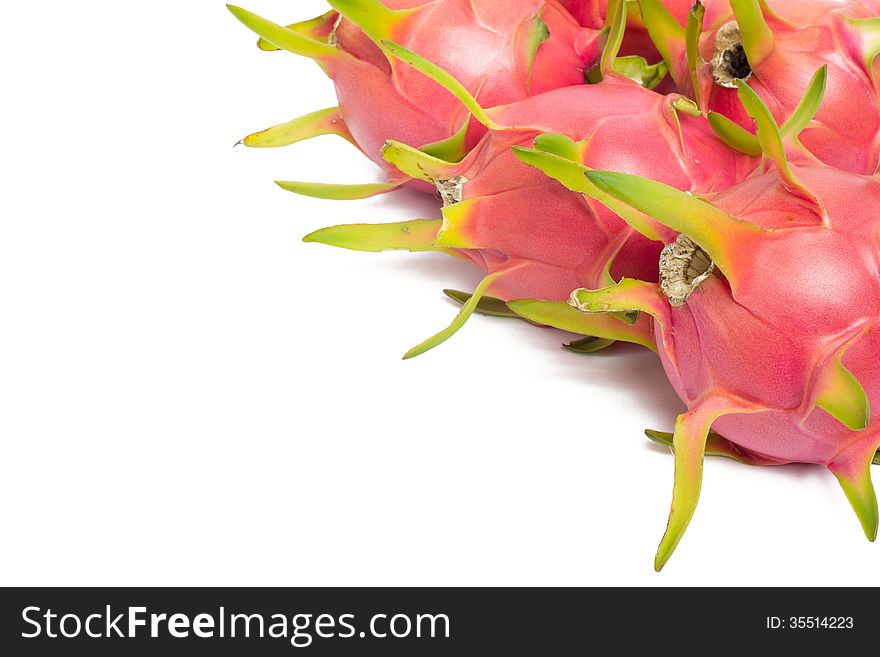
(463, 315)
(335, 192)
(284, 38)
(562, 315)
(323, 122)
(415, 235)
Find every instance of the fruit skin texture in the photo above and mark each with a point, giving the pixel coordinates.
(784, 47)
(545, 241)
(800, 296)
(501, 50)
(779, 353)
(532, 237)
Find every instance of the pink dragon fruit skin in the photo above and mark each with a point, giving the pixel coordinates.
(502, 50)
(765, 319)
(576, 239)
(777, 50)
(531, 236)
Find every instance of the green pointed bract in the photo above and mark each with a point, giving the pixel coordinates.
(769, 135)
(717, 445)
(614, 39)
(667, 34)
(538, 34)
(561, 146)
(627, 295)
(869, 31)
(837, 391)
(307, 28)
(687, 106)
(715, 231)
(809, 105)
(449, 150)
(745, 142)
(561, 315)
(375, 19)
(444, 79)
(853, 471)
(466, 311)
(757, 37)
(416, 163)
(572, 174)
(770, 138)
(486, 306)
(876, 460)
(638, 69)
(688, 445)
(693, 30)
(735, 135)
(323, 122)
(589, 345)
(334, 192)
(285, 39)
(415, 235)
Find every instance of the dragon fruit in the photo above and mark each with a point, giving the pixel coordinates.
(777, 48)
(501, 50)
(765, 317)
(533, 237)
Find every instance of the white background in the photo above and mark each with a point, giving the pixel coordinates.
(190, 395)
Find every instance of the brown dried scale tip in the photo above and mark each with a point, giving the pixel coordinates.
(683, 266)
(730, 62)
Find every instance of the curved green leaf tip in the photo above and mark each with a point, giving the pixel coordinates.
(311, 28)
(323, 122)
(416, 235)
(868, 30)
(442, 78)
(735, 135)
(809, 105)
(463, 315)
(604, 326)
(687, 106)
(373, 17)
(614, 39)
(333, 192)
(539, 33)
(638, 69)
(839, 393)
(416, 163)
(667, 34)
(714, 230)
(693, 30)
(284, 38)
(859, 490)
(745, 142)
(452, 149)
(486, 306)
(589, 345)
